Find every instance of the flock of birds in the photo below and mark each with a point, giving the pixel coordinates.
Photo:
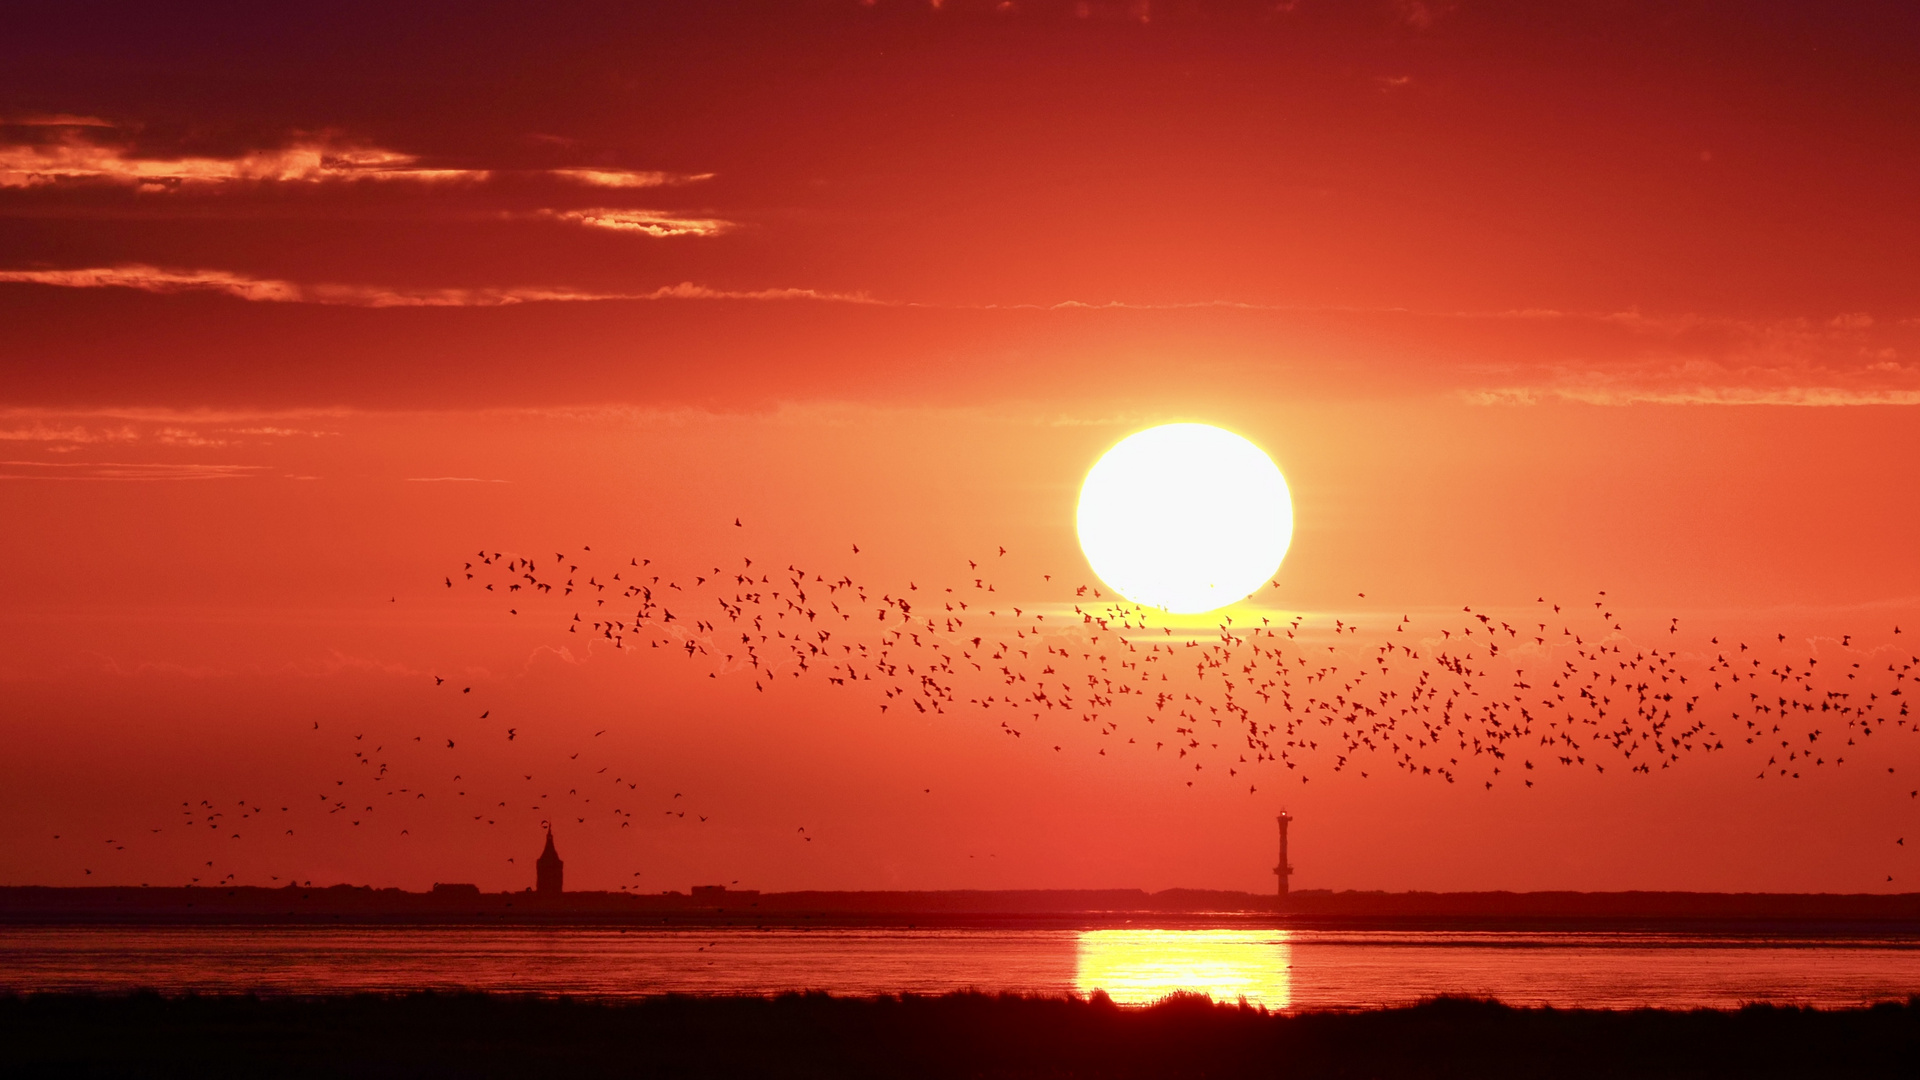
(1480, 697)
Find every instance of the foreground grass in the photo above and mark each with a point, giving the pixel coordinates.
(959, 1035)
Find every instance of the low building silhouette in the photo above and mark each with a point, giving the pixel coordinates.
(719, 896)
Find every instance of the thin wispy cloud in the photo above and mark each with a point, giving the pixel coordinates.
(659, 223)
(627, 178)
(122, 470)
(158, 280)
(1666, 358)
(76, 156)
(281, 432)
(71, 161)
(452, 480)
(1621, 394)
(177, 436)
(274, 290)
(1843, 329)
(1848, 359)
(59, 120)
(1781, 377)
(687, 290)
(66, 432)
(49, 433)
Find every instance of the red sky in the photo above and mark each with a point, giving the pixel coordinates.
(298, 311)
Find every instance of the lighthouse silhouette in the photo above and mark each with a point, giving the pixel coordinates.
(1283, 871)
(549, 870)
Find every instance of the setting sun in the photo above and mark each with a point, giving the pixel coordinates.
(1185, 517)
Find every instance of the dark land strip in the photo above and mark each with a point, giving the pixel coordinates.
(959, 1035)
(1811, 914)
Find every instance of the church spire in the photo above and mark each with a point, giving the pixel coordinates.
(549, 870)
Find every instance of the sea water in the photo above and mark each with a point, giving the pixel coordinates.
(1278, 969)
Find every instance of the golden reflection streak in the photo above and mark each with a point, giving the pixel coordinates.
(1139, 967)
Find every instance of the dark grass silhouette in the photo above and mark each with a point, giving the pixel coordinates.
(959, 1035)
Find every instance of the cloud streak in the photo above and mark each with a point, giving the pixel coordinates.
(159, 280)
(659, 223)
(627, 178)
(1602, 389)
(1850, 359)
(1619, 392)
(72, 434)
(74, 158)
(122, 470)
(69, 161)
(155, 279)
(67, 432)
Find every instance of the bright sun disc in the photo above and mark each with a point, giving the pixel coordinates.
(1185, 517)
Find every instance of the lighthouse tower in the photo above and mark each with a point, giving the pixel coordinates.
(548, 870)
(1282, 871)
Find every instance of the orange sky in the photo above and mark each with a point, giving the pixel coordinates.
(297, 313)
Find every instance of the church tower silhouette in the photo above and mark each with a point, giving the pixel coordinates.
(549, 869)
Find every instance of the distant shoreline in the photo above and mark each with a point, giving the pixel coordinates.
(1814, 913)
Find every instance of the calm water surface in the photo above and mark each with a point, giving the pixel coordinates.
(1275, 968)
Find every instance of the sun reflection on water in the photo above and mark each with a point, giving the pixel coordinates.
(1139, 967)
